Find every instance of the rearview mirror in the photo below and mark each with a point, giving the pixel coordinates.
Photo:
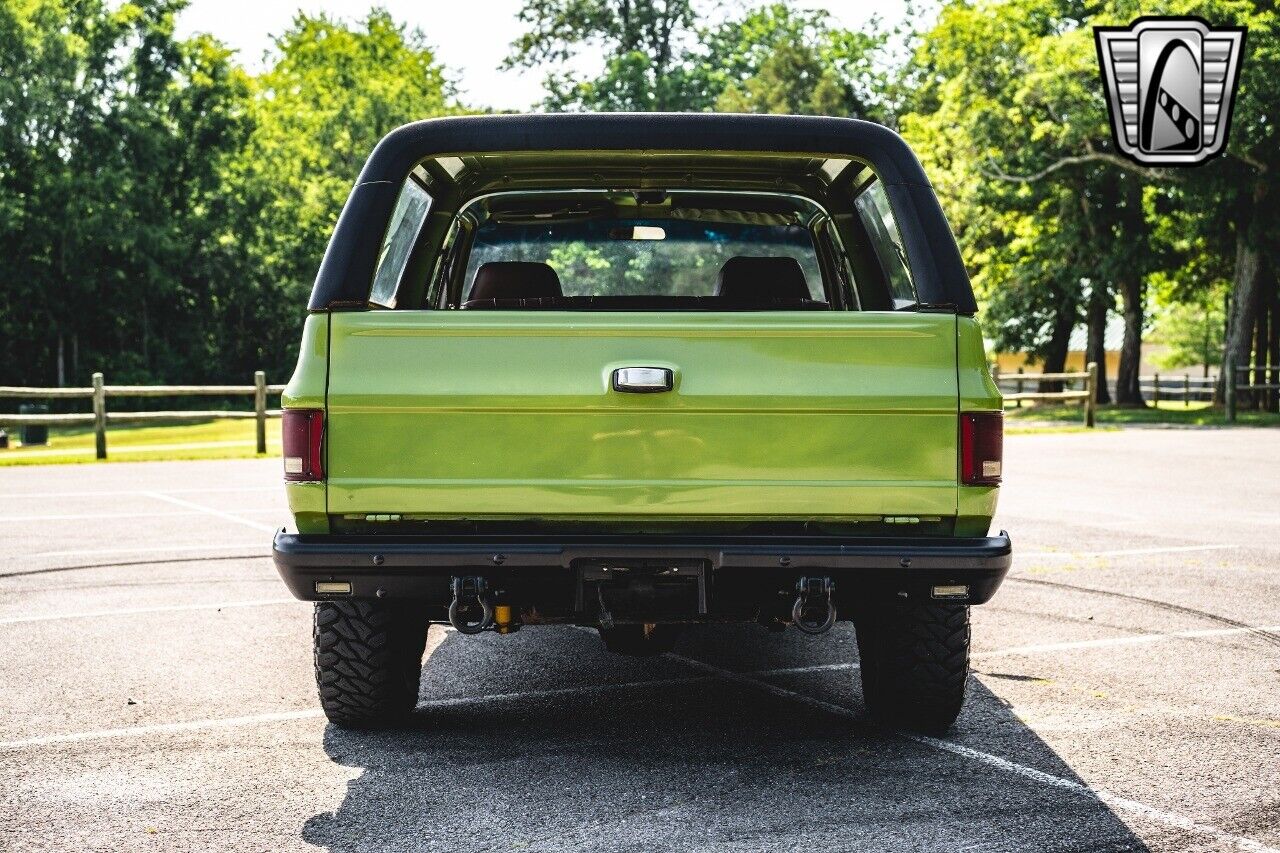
(638, 232)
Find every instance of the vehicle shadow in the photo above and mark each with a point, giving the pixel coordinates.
(569, 753)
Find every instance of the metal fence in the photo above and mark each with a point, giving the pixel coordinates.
(100, 418)
(1087, 394)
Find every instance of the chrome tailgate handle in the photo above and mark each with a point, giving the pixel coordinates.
(642, 380)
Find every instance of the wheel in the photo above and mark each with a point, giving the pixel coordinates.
(915, 663)
(368, 661)
(640, 640)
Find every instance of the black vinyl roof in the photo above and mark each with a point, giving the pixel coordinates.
(347, 269)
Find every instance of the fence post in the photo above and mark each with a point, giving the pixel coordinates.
(1019, 402)
(1230, 389)
(1156, 393)
(260, 407)
(99, 417)
(1186, 390)
(1091, 401)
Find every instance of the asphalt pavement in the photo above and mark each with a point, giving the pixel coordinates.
(158, 693)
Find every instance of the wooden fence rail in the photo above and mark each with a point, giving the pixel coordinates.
(1088, 395)
(1184, 387)
(100, 417)
(1259, 371)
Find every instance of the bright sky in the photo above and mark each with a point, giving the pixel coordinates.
(471, 37)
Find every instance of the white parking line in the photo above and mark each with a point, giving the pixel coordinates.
(17, 519)
(312, 713)
(1108, 798)
(1136, 639)
(174, 608)
(161, 728)
(22, 496)
(800, 670)
(217, 513)
(1112, 800)
(1123, 552)
(149, 549)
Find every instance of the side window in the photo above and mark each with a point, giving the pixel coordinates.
(877, 216)
(410, 212)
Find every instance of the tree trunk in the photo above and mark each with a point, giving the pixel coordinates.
(1055, 353)
(1128, 391)
(1245, 282)
(1261, 339)
(1096, 348)
(1273, 345)
(62, 362)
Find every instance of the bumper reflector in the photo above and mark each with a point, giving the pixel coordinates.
(333, 587)
(953, 591)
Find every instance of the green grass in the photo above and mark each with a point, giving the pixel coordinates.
(221, 438)
(1170, 412)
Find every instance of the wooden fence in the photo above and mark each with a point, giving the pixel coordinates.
(100, 417)
(1233, 387)
(1087, 395)
(1186, 388)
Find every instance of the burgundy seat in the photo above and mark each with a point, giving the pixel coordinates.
(762, 279)
(514, 280)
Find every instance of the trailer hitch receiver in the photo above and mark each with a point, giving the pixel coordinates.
(814, 611)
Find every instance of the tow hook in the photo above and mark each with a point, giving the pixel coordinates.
(470, 591)
(813, 595)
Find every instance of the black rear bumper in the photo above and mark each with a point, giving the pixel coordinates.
(544, 570)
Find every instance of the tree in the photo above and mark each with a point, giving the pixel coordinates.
(111, 138)
(662, 56)
(992, 91)
(1007, 95)
(162, 214)
(643, 45)
(333, 91)
(1193, 333)
(780, 60)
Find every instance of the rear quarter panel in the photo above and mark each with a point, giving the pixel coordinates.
(976, 505)
(306, 390)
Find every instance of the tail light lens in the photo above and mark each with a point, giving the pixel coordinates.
(302, 434)
(981, 448)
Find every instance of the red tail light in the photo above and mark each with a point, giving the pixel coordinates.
(981, 448)
(302, 435)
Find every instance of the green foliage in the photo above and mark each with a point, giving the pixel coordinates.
(657, 57)
(334, 91)
(642, 41)
(162, 214)
(1192, 332)
(1006, 108)
(779, 60)
(114, 138)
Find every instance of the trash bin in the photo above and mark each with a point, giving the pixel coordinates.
(30, 433)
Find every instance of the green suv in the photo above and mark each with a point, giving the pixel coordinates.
(635, 373)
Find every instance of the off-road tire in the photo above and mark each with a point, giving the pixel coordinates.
(634, 641)
(368, 658)
(914, 664)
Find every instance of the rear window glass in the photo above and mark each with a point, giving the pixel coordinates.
(873, 207)
(642, 257)
(412, 207)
